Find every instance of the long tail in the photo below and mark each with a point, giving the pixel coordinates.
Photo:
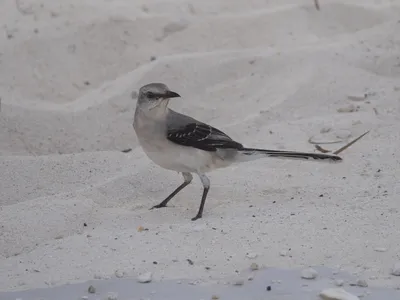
(248, 154)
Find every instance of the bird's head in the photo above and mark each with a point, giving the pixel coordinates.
(155, 96)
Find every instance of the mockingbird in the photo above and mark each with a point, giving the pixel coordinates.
(180, 143)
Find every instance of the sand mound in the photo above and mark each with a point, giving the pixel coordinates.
(270, 73)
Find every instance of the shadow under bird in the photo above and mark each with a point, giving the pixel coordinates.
(183, 144)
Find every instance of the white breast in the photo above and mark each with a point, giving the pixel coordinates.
(152, 137)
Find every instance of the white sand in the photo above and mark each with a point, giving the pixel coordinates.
(269, 73)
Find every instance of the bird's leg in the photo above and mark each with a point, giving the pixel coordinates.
(187, 177)
(206, 186)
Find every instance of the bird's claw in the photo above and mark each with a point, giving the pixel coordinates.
(196, 217)
(157, 206)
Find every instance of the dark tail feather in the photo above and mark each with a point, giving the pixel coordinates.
(251, 154)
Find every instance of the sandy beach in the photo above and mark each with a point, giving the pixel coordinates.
(274, 74)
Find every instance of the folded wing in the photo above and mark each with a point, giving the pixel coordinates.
(201, 136)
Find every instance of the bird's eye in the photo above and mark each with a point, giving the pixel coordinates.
(150, 95)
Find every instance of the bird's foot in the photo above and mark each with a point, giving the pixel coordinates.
(198, 216)
(158, 206)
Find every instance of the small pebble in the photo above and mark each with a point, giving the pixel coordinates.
(380, 249)
(214, 297)
(283, 253)
(84, 297)
(356, 97)
(251, 255)
(337, 294)
(119, 274)
(254, 266)
(175, 26)
(362, 283)
(339, 282)
(153, 58)
(395, 269)
(91, 289)
(145, 277)
(238, 281)
(268, 288)
(348, 109)
(98, 276)
(309, 273)
(250, 278)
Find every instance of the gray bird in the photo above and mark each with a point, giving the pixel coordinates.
(180, 143)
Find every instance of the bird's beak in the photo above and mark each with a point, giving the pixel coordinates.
(171, 94)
